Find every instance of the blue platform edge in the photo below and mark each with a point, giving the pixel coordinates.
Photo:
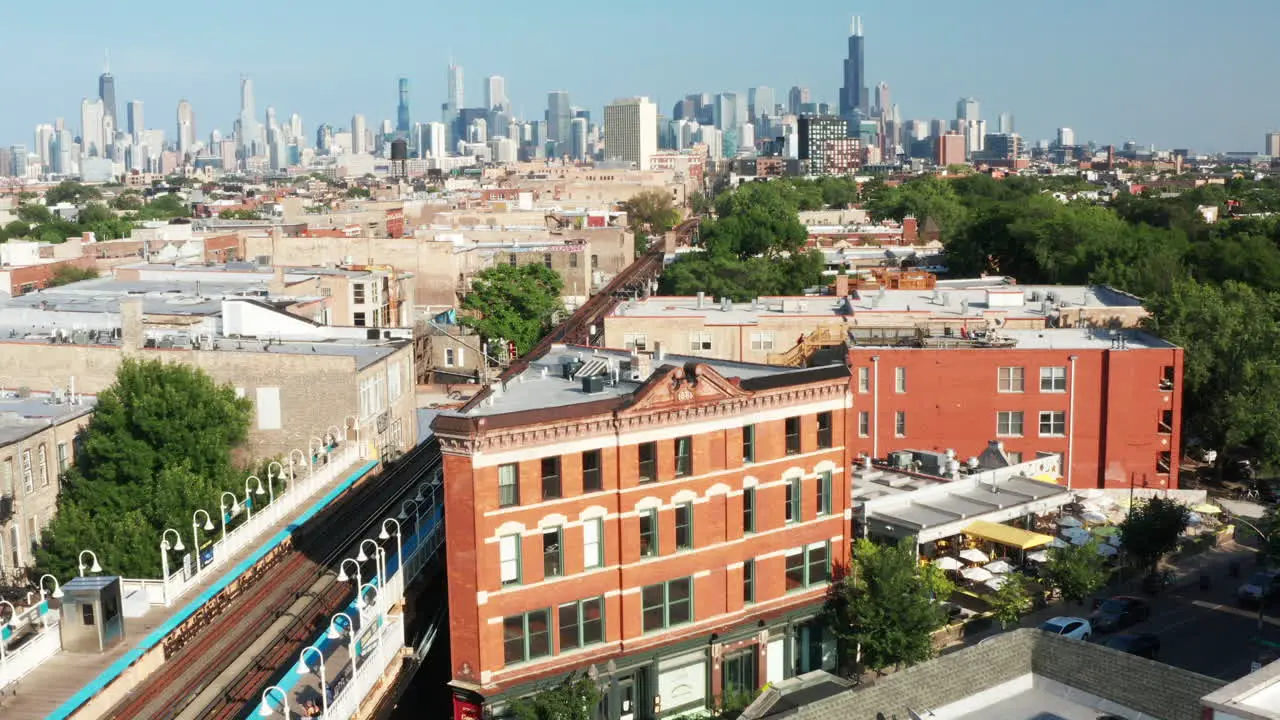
(106, 677)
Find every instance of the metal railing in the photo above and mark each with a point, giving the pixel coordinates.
(373, 665)
(44, 644)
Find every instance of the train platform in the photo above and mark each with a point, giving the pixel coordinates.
(66, 680)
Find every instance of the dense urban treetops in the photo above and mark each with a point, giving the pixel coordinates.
(651, 212)
(1151, 529)
(519, 304)
(38, 222)
(1211, 286)
(1076, 571)
(158, 447)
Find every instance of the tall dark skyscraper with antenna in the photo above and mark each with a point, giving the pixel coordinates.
(403, 125)
(107, 92)
(854, 97)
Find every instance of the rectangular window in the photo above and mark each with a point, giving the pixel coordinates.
(807, 566)
(648, 462)
(824, 493)
(1166, 422)
(526, 637)
(684, 526)
(667, 604)
(684, 456)
(592, 472)
(1009, 380)
(818, 565)
(581, 623)
(824, 430)
(636, 342)
(1166, 377)
(508, 485)
(749, 510)
(900, 423)
(513, 260)
(1164, 462)
(573, 260)
(64, 458)
(864, 379)
(1053, 379)
(740, 673)
(454, 357)
(900, 380)
(595, 262)
(550, 478)
(546, 260)
(795, 570)
(395, 380)
(357, 293)
(6, 477)
(649, 533)
(699, 342)
(509, 559)
(749, 444)
(762, 342)
(358, 319)
(864, 424)
(28, 477)
(1009, 422)
(1053, 422)
(792, 509)
(592, 544)
(43, 456)
(373, 398)
(552, 555)
(1014, 457)
(793, 435)
(268, 406)
(749, 581)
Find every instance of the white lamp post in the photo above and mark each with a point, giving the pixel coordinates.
(384, 535)
(248, 504)
(375, 602)
(404, 512)
(302, 460)
(315, 447)
(379, 554)
(342, 571)
(95, 568)
(57, 595)
(265, 709)
(352, 422)
(271, 490)
(304, 668)
(195, 535)
(164, 558)
(222, 507)
(335, 633)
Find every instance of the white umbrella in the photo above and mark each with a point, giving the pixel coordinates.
(995, 582)
(948, 563)
(1194, 518)
(976, 574)
(1107, 550)
(999, 567)
(1039, 556)
(1093, 516)
(974, 555)
(1091, 507)
(1068, 522)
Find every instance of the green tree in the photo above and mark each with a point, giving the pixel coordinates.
(1011, 600)
(239, 214)
(699, 204)
(164, 207)
(652, 212)
(129, 200)
(71, 192)
(575, 698)
(516, 303)
(883, 609)
(1076, 571)
(358, 192)
(1152, 529)
(158, 446)
(67, 274)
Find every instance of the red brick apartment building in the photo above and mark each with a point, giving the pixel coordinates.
(671, 522)
(1109, 401)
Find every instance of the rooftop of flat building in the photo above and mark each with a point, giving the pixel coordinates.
(1255, 696)
(159, 297)
(23, 413)
(542, 384)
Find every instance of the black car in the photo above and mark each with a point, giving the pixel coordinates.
(1141, 644)
(1120, 612)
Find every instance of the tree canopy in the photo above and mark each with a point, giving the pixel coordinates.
(515, 303)
(885, 609)
(1011, 600)
(1152, 529)
(158, 447)
(575, 698)
(652, 212)
(1076, 571)
(70, 191)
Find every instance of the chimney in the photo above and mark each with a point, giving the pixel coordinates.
(131, 332)
(641, 366)
(701, 296)
(659, 353)
(726, 304)
(910, 230)
(842, 286)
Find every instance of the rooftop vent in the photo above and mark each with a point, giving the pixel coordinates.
(726, 304)
(593, 384)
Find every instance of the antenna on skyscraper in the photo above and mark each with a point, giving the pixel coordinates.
(106, 67)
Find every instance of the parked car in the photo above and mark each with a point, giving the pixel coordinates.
(1071, 627)
(1262, 586)
(1119, 613)
(1141, 644)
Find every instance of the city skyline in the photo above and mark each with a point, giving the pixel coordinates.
(1108, 94)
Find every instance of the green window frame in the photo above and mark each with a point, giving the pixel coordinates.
(824, 493)
(526, 637)
(593, 544)
(684, 456)
(581, 624)
(684, 526)
(749, 581)
(649, 533)
(748, 443)
(791, 507)
(553, 552)
(648, 461)
(509, 563)
(667, 604)
(748, 510)
(808, 566)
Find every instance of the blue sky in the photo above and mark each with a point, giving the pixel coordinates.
(1176, 73)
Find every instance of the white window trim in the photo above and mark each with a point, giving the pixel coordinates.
(592, 559)
(1022, 377)
(1040, 423)
(864, 380)
(1022, 420)
(1053, 376)
(900, 380)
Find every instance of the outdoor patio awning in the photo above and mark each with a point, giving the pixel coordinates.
(1007, 535)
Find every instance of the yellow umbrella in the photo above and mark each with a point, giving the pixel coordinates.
(1046, 478)
(1206, 509)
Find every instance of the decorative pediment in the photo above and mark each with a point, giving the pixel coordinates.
(675, 387)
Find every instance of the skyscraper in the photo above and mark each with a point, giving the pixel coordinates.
(136, 125)
(358, 131)
(495, 93)
(107, 94)
(578, 138)
(252, 140)
(797, 99)
(455, 87)
(853, 96)
(1004, 124)
(631, 131)
(1271, 144)
(91, 116)
(186, 128)
(403, 124)
(1066, 137)
(730, 111)
(760, 102)
(883, 101)
(559, 114)
(45, 145)
(452, 105)
(969, 123)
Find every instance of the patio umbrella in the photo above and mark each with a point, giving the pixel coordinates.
(995, 582)
(1114, 540)
(1091, 507)
(999, 567)
(976, 574)
(1093, 516)
(1206, 509)
(1039, 556)
(1107, 550)
(1194, 518)
(974, 555)
(1058, 543)
(1078, 536)
(1068, 522)
(948, 563)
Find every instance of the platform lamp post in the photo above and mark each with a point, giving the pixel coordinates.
(223, 510)
(259, 492)
(315, 448)
(304, 668)
(164, 558)
(271, 490)
(352, 422)
(56, 594)
(404, 512)
(195, 534)
(94, 568)
(335, 633)
(342, 571)
(302, 459)
(375, 602)
(379, 554)
(384, 535)
(337, 436)
(7, 625)
(265, 709)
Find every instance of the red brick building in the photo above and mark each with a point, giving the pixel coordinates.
(671, 522)
(1109, 401)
